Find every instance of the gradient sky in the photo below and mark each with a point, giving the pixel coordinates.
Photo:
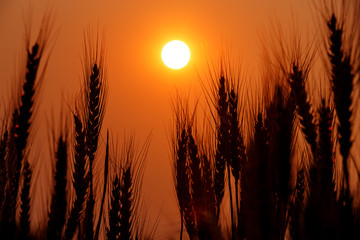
(140, 86)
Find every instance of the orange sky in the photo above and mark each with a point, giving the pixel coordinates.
(140, 86)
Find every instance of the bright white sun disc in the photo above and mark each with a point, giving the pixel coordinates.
(175, 54)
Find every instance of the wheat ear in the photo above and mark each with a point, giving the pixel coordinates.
(342, 85)
(299, 95)
(113, 232)
(126, 204)
(221, 155)
(22, 124)
(80, 182)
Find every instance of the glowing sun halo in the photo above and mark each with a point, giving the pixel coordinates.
(175, 54)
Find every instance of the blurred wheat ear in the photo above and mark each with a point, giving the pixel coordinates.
(237, 153)
(58, 207)
(259, 200)
(342, 80)
(280, 126)
(298, 76)
(21, 125)
(342, 85)
(322, 214)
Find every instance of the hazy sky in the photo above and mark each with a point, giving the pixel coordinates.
(140, 86)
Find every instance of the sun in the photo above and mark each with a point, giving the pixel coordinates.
(175, 54)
